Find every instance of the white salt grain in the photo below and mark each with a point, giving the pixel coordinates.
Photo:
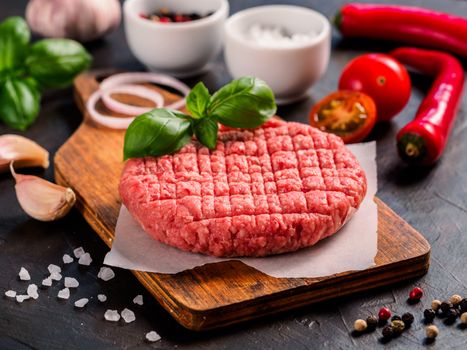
(138, 299)
(71, 282)
(85, 259)
(47, 282)
(55, 276)
(78, 252)
(106, 273)
(54, 269)
(274, 36)
(24, 274)
(112, 315)
(102, 297)
(81, 302)
(64, 293)
(21, 298)
(128, 315)
(32, 291)
(153, 336)
(10, 293)
(67, 259)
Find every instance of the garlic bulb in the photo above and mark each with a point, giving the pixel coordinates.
(42, 199)
(24, 152)
(82, 20)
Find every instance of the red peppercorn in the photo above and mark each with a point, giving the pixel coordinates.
(416, 294)
(142, 15)
(165, 20)
(384, 314)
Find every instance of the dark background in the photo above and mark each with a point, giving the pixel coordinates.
(433, 200)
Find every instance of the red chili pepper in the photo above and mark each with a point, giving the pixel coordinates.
(412, 25)
(423, 140)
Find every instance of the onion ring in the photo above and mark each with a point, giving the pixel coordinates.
(124, 79)
(136, 90)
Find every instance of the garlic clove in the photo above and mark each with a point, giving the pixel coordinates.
(41, 199)
(24, 152)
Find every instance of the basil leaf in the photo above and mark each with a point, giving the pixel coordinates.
(14, 41)
(246, 102)
(197, 100)
(206, 132)
(19, 102)
(156, 133)
(56, 62)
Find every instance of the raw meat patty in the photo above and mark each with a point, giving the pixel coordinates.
(270, 190)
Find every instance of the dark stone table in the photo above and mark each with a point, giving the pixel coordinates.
(433, 200)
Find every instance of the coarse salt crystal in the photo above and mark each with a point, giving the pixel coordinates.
(128, 315)
(85, 259)
(138, 299)
(67, 259)
(78, 252)
(10, 293)
(47, 282)
(64, 293)
(32, 291)
(112, 315)
(56, 276)
(71, 282)
(102, 297)
(274, 36)
(21, 298)
(81, 302)
(54, 269)
(24, 274)
(106, 273)
(152, 336)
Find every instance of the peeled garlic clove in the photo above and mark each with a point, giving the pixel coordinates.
(41, 199)
(24, 152)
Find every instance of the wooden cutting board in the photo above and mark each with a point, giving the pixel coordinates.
(217, 295)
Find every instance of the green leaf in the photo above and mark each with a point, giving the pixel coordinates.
(246, 102)
(14, 41)
(56, 62)
(19, 102)
(156, 133)
(206, 132)
(197, 100)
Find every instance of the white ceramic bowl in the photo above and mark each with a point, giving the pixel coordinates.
(179, 49)
(290, 71)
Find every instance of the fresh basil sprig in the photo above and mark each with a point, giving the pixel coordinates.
(24, 68)
(243, 103)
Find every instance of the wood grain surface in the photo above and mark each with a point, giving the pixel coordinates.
(221, 294)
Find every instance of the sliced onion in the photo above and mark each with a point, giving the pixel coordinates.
(136, 90)
(117, 81)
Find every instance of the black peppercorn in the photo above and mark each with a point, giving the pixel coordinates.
(388, 332)
(463, 305)
(372, 322)
(407, 318)
(445, 306)
(396, 318)
(429, 315)
(451, 315)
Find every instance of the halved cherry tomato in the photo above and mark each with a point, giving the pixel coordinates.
(381, 77)
(348, 114)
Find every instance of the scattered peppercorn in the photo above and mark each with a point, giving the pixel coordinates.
(451, 315)
(432, 331)
(445, 306)
(360, 325)
(463, 305)
(435, 305)
(396, 318)
(415, 294)
(384, 314)
(397, 326)
(455, 299)
(464, 318)
(408, 319)
(371, 322)
(429, 315)
(387, 332)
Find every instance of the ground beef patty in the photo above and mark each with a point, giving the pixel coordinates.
(275, 189)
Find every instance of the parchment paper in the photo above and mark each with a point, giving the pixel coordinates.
(352, 248)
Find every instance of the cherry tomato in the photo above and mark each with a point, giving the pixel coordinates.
(381, 77)
(348, 114)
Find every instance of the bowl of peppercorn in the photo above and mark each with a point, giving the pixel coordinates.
(175, 37)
